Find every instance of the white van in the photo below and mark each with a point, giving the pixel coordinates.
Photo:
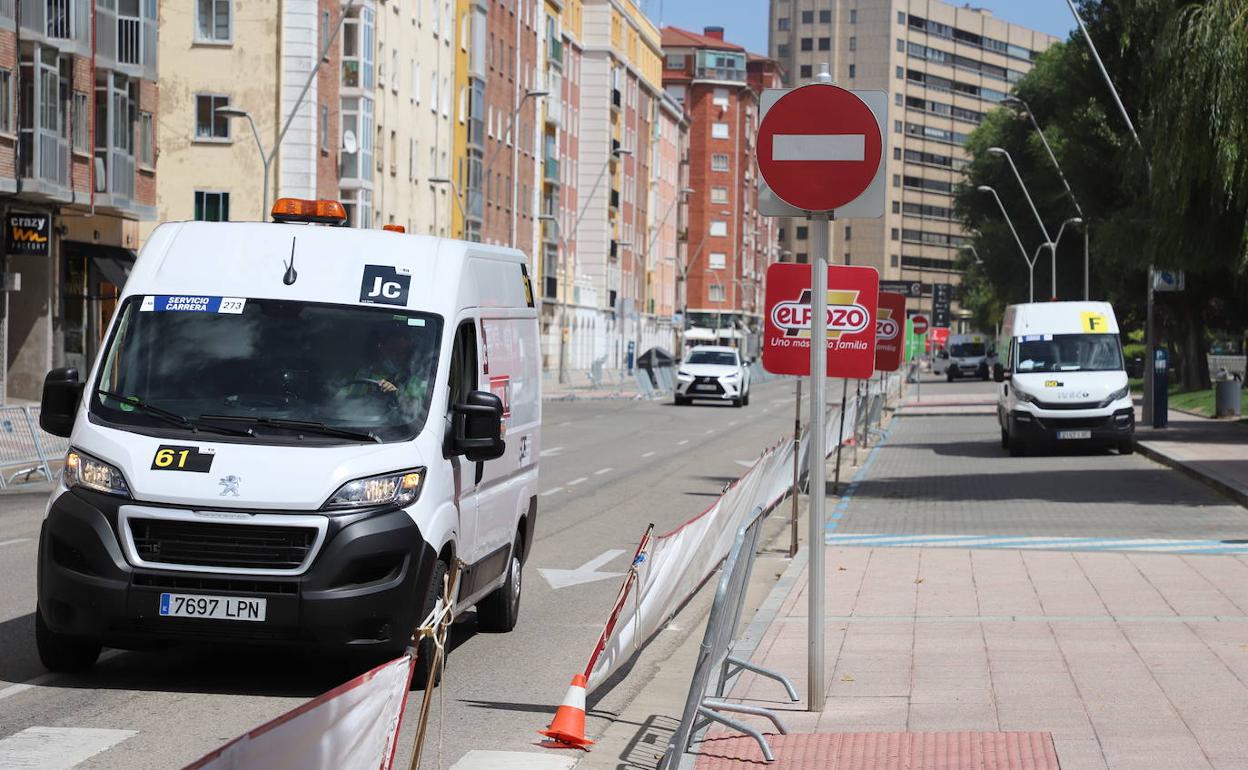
(966, 355)
(1063, 379)
(290, 433)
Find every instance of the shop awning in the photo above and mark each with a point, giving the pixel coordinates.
(113, 262)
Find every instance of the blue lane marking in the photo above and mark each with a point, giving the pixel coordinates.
(842, 505)
(1137, 545)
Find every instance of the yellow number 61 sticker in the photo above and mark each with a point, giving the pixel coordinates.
(170, 457)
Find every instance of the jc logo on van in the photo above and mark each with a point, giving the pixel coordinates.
(383, 285)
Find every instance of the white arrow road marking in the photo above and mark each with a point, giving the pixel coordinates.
(682, 442)
(648, 454)
(57, 748)
(15, 542)
(586, 573)
(550, 452)
(809, 147)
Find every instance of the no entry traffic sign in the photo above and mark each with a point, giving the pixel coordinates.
(820, 147)
(921, 324)
(890, 331)
(853, 294)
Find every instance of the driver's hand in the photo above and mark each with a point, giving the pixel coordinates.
(387, 386)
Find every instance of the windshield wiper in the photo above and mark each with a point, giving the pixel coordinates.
(173, 418)
(297, 425)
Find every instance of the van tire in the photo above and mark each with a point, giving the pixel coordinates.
(63, 653)
(1016, 446)
(1126, 447)
(1005, 439)
(425, 647)
(949, 374)
(498, 612)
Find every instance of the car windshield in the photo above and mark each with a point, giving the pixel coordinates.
(715, 357)
(966, 349)
(1069, 353)
(254, 364)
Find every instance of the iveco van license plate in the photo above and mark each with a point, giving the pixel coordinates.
(212, 607)
(1064, 434)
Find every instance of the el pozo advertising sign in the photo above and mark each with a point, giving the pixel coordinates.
(852, 302)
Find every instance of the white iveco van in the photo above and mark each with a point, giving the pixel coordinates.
(1063, 380)
(289, 434)
(967, 355)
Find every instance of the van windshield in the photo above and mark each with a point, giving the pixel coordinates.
(278, 368)
(1069, 353)
(966, 349)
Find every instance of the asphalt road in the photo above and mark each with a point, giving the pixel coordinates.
(609, 468)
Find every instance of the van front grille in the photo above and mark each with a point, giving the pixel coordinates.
(216, 544)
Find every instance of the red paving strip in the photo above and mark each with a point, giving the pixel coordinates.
(884, 751)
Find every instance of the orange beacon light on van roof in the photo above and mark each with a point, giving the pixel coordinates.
(325, 212)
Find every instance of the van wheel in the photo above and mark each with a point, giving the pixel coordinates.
(60, 652)
(425, 647)
(1016, 446)
(949, 375)
(497, 613)
(1005, 439)
(680, 400)
(1126, 447)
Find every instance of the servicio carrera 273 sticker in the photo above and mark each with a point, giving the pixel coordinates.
(191, 303)
(174, 457)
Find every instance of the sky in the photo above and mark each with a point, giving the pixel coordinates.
(745, 21)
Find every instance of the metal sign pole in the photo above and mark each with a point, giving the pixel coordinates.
(797, 461)
(815, 692)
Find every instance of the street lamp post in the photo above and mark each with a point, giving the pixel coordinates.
(265, 158)
(1026, 110)
(454, 192)
(511, 121)
(1026, 194)
(648, 253)
(1031, 261)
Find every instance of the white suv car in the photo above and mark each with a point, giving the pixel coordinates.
(713, 373)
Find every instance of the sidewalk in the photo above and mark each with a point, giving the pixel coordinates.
(1210, 450)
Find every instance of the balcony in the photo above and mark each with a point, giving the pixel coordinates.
(57, 20)
(554, 52)
(615, 199)
(614, 251)
(720, 73)
(550, 170)
(617, 99)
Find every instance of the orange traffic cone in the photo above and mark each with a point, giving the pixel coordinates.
(568, 727)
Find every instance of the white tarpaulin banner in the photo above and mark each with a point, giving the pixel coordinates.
(352, 727)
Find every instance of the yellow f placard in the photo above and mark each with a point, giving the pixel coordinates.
(1094, 323)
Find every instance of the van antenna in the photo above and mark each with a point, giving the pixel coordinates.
(291, 276)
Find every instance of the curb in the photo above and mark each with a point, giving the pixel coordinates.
(1228, 491)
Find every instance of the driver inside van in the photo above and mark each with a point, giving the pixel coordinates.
(391, 370)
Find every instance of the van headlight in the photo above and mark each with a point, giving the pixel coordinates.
(83, 470)
(400, 489)
(1122, 392)
(1025, 397)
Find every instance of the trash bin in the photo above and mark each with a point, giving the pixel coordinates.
(1226, 395)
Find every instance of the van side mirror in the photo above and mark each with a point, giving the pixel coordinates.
(998, 373)
(479, 427)
(61, 394)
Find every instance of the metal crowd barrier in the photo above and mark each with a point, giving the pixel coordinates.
(25, 450)
(715, 654)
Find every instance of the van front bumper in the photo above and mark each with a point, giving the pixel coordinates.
(1109, 429)
(364, 589)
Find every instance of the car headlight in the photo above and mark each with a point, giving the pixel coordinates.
(1025, 397)
(83, 470)
(732, 376)
(400, 488)
(1122, 392)
(682, 374)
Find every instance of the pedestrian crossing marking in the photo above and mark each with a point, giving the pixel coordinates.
(1037, 543)
(57, 748)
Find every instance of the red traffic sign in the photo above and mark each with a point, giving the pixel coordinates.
(921, 324)
(819, 147)
(853, 293)
(890, 331)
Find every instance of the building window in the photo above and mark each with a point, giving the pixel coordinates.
(893, 260)
(896, 235)
(719, 130)
(210, 126)
(212, 206)
(719, 161)
(720, 97)
(853, 16)
(808, 44)
(825, 43)
(324, 128)
(214, 23)
(901, 73)
(719, 228)
(719, 195)
(147, 140)
(359, 207)
(717, 260)
(358, 49)
(808, 17)
(853, 70)
(803, 232)
(782, 23)
(80, 124)
(782, 51)
(805, 71)
(901, 17)
(802, 257)
(324, 39)
(675, 61)
(716, 292)
(6, 101)
(853, 43)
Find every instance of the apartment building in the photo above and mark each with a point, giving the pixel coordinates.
(730, 245)
(945, 67)
(78, 146)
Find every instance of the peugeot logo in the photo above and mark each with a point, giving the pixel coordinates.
(229, 485)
